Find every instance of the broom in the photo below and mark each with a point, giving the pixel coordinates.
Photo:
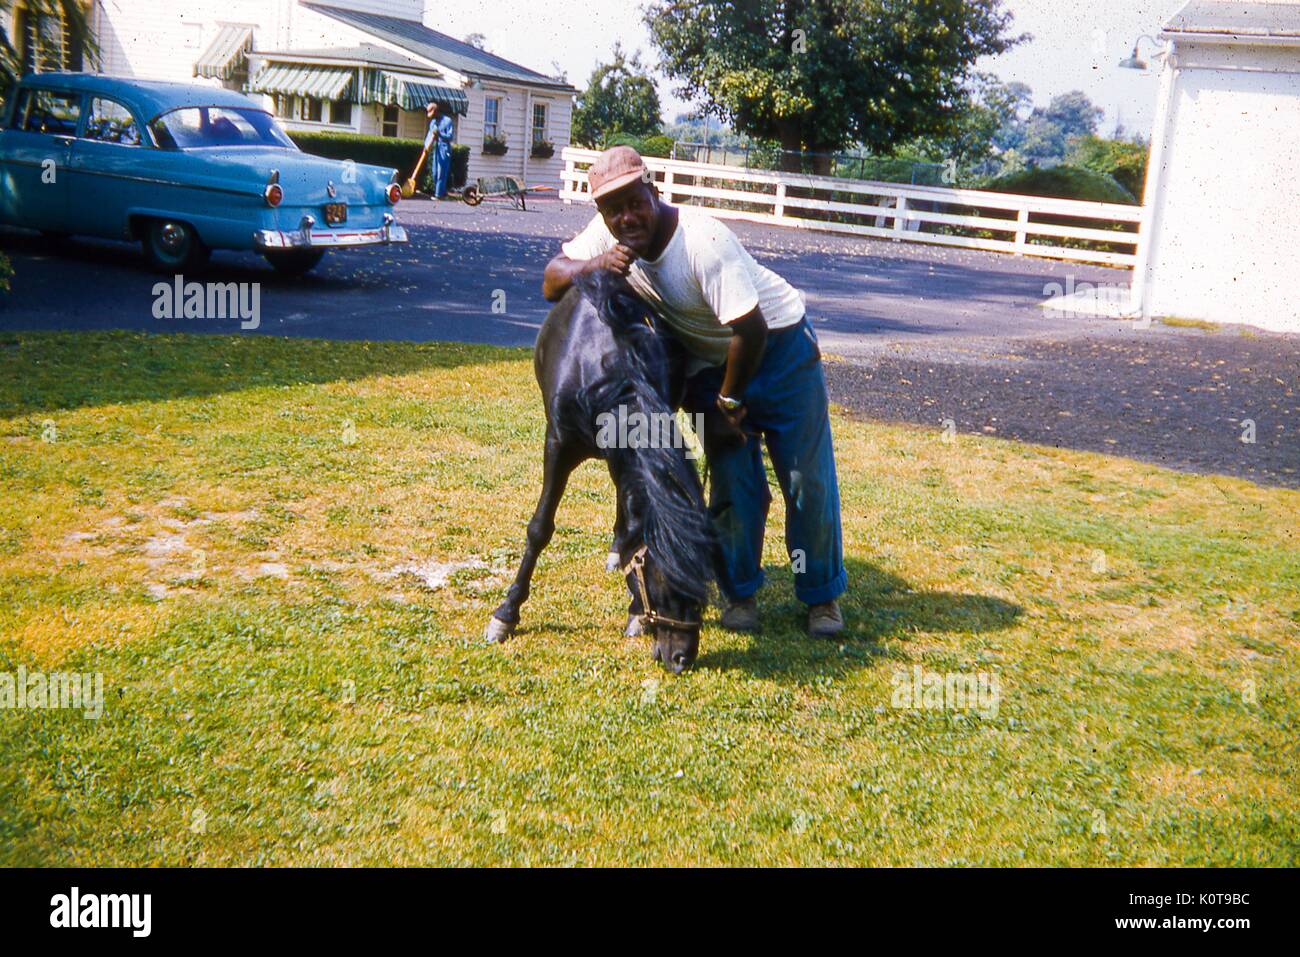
(408, 188)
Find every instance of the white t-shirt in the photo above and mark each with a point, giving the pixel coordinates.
(703, 281)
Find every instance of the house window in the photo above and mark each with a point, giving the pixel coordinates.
(311, 109)
(284, 106)
(45, 42)
(341, 112)
(391, 115)
(492, 118)
(539, 123)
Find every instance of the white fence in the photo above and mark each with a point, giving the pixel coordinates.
(1003, 222)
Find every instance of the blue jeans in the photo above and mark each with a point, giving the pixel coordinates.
(441, 167)
(786, 403)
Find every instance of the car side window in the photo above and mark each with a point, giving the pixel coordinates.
(51, 112)
(110, 122)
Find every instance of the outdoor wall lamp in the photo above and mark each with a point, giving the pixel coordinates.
(1133, 61)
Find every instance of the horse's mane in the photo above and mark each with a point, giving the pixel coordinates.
(664, 486)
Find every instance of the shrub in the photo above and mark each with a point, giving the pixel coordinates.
(1063, 182)
(1125, 161)
(5, 272)
(1068, 182)
(655, 144)
(400, 154)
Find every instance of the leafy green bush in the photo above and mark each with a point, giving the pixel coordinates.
(5, 272)
(1125, 161)
(1063, 182)
(400, 154)
(655, 144)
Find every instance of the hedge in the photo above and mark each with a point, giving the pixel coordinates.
(400, 154)
(1063, 182)
(1068, 182)
(1126, 161)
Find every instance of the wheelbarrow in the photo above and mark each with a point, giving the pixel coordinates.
(502, 187)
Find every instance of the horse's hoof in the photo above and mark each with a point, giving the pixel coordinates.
(635, 627)
(498, 631)
(612, 562)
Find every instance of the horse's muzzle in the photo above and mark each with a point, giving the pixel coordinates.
(675, 650)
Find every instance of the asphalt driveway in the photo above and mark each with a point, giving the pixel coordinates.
(921, 334)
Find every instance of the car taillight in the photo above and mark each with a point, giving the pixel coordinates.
(273, 195)
(394, 194)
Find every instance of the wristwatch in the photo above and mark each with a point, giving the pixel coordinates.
(729, 404)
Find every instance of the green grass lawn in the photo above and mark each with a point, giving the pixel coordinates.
(241, 535)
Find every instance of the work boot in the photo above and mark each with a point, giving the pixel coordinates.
(825, 620)
(741, 615)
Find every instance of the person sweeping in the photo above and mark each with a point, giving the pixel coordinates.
(438, 143)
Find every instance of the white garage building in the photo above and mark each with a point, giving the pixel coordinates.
(1221, 228)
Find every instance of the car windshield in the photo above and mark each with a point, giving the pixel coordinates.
(198, 126)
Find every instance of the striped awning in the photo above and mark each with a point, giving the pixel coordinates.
(411, 93)
(299, 79)
(415, 95)
(227, 54)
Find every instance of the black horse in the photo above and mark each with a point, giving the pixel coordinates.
(597, 351)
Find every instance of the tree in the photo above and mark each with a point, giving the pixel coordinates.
(984, 126)
(51, 21)
(1014, 102)
(818, 75)
(620, 98)
(1049, 131)
(1074, 114)
(1043, 142)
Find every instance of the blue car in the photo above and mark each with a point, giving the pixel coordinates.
(182, 169)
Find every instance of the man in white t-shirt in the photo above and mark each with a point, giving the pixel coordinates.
(754, 358)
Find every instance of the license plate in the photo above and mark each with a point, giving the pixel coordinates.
(336, 214)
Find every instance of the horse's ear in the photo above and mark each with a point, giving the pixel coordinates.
(596, 286)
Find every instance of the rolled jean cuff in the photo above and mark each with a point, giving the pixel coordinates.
(747, 589)
(823, 593)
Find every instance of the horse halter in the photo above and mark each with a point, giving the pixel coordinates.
(636, 566)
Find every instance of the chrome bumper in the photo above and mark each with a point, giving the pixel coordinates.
(306, 236)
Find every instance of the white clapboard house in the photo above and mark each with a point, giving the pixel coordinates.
(347, 66)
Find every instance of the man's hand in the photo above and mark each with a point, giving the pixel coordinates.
(722, 429)
(617, 260)
(561, 271)
(732, 416)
